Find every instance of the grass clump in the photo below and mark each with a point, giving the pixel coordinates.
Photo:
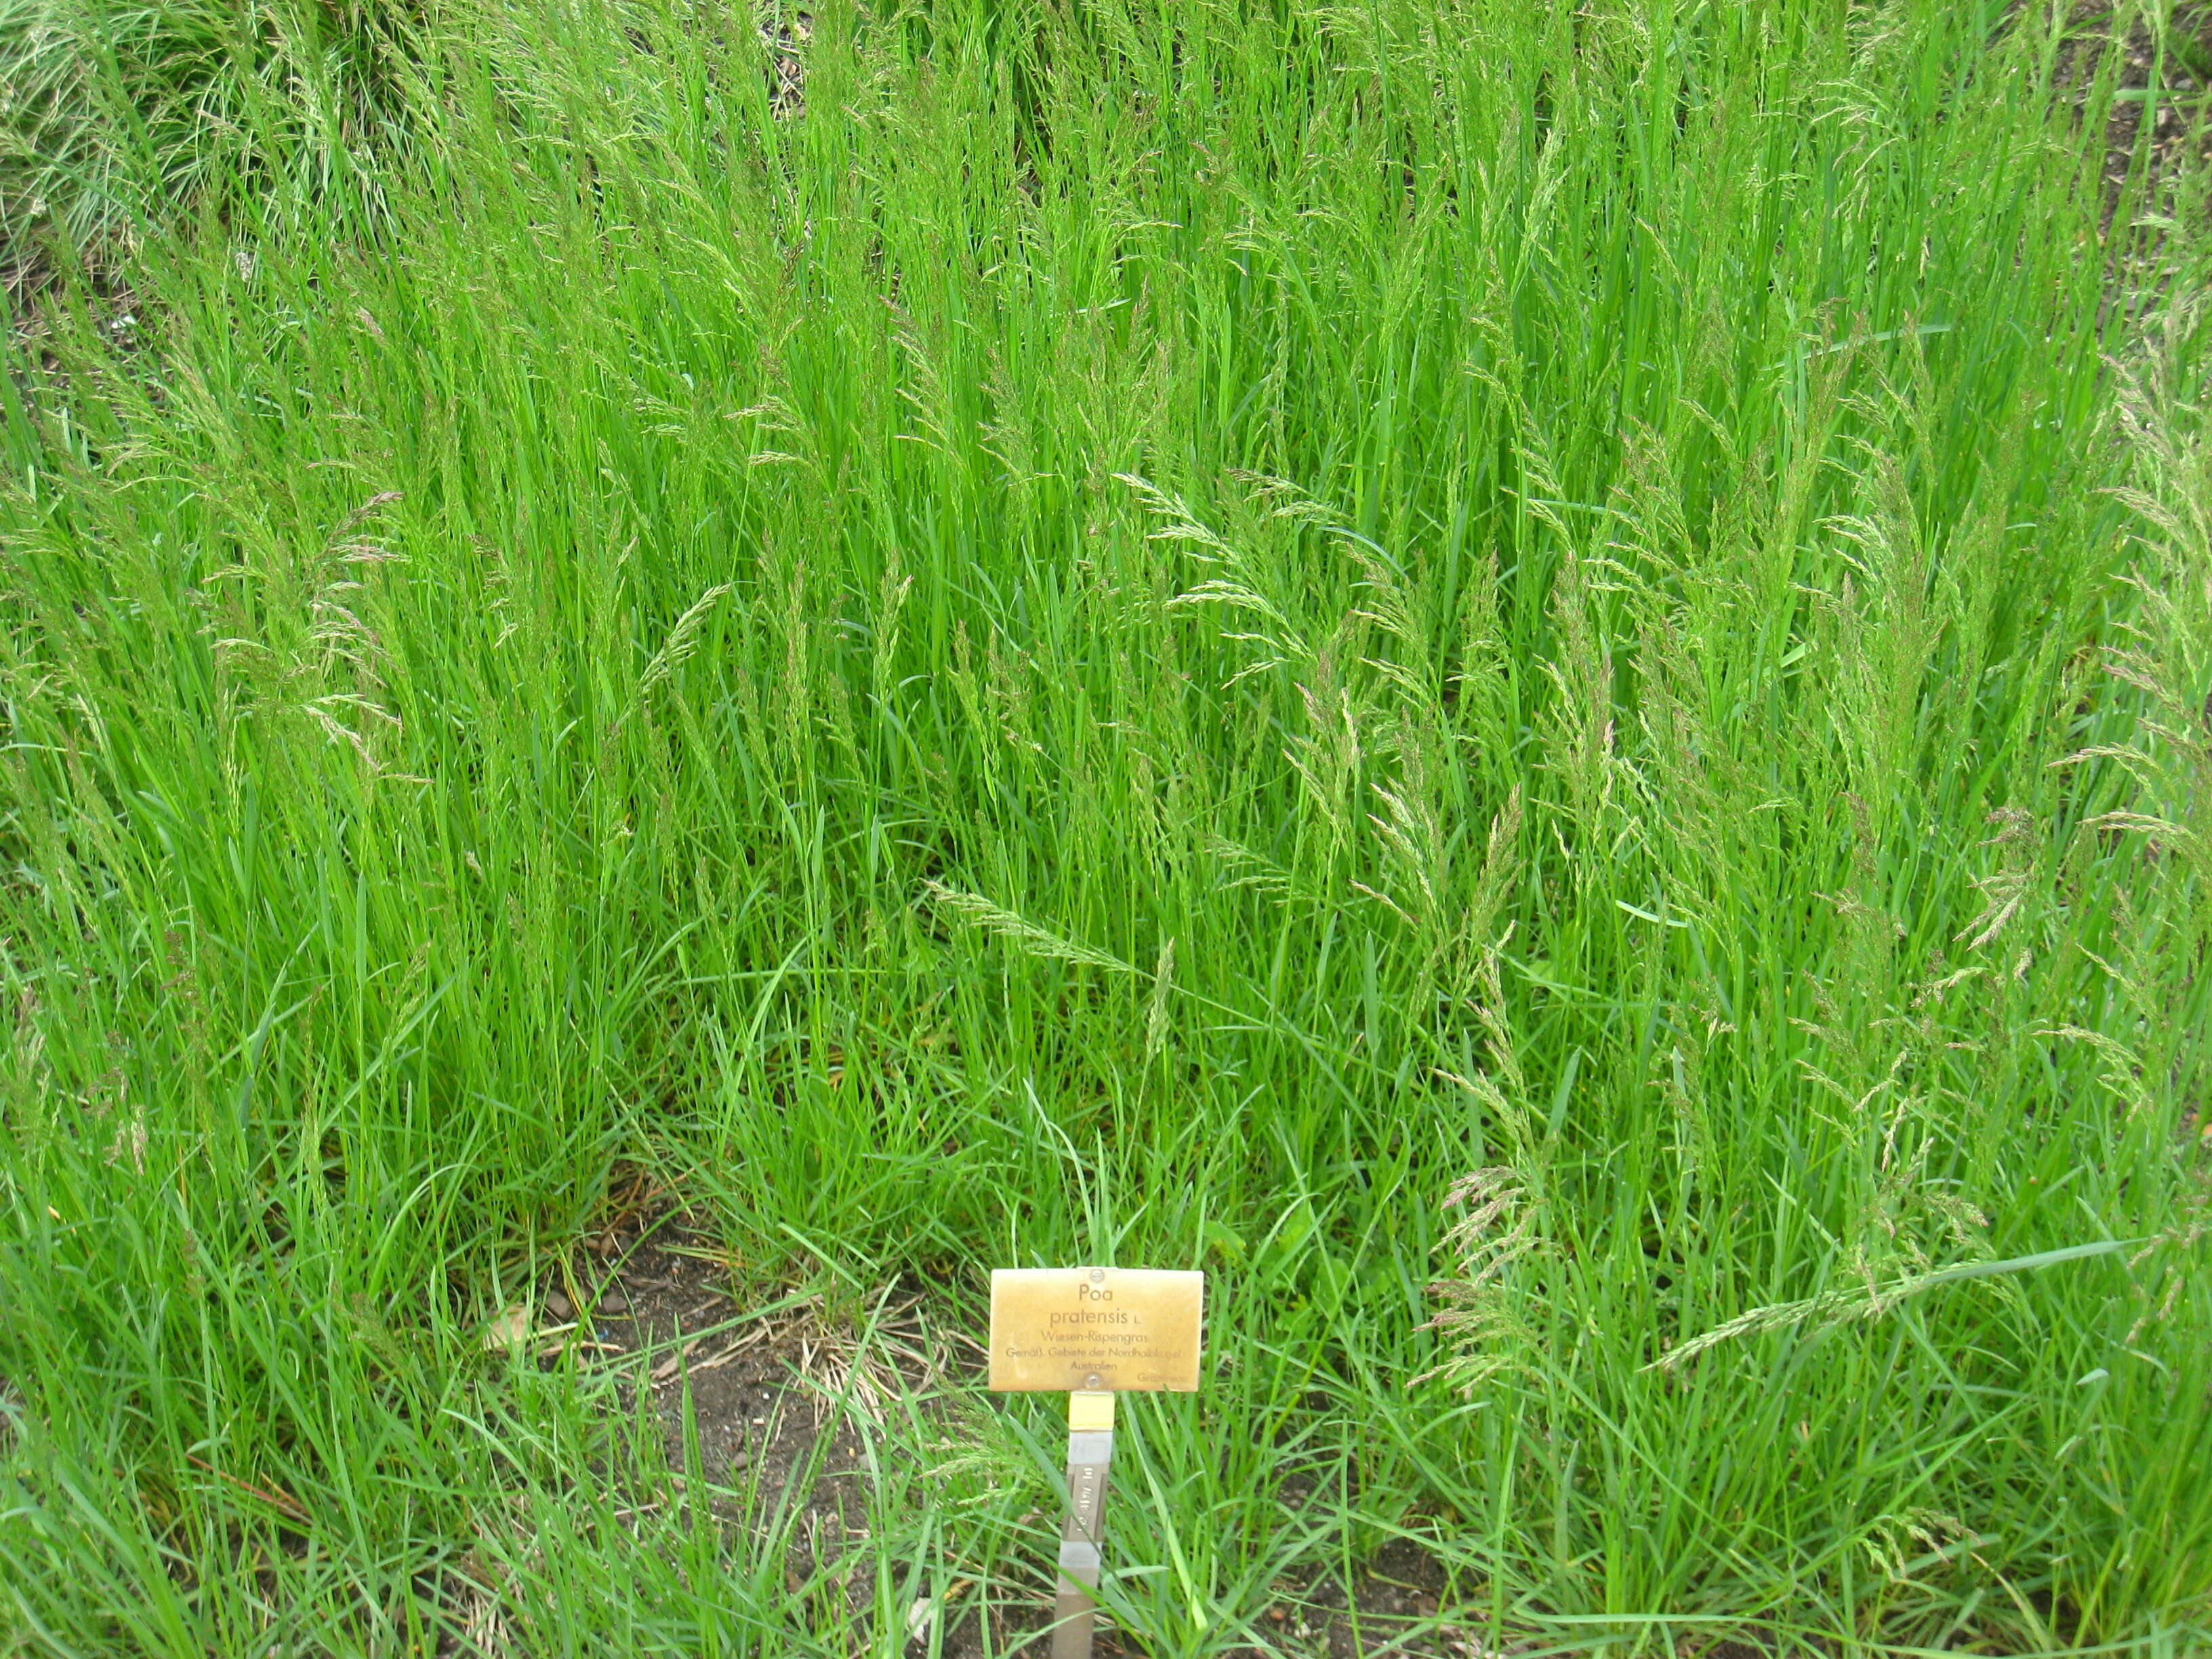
(1147, 634)
(116, 115)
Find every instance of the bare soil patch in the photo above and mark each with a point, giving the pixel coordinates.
(762, 1389)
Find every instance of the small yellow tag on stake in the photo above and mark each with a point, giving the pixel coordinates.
(1095, 1329)
(1092, 1331)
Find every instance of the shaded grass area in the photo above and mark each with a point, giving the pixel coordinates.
(1138, 635)
(115, 113)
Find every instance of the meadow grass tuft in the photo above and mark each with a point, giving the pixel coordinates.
(1535, 679)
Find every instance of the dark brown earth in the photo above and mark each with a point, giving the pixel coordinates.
(2178, 130)
(760, 1384)
(758, 1388)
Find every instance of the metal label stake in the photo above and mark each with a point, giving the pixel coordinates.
(1090, 1456)
(1095, 1332)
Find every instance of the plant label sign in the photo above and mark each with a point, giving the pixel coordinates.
(1094, 1329)
(1094, 1332)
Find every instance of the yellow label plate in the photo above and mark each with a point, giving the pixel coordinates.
(1120, 1328)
